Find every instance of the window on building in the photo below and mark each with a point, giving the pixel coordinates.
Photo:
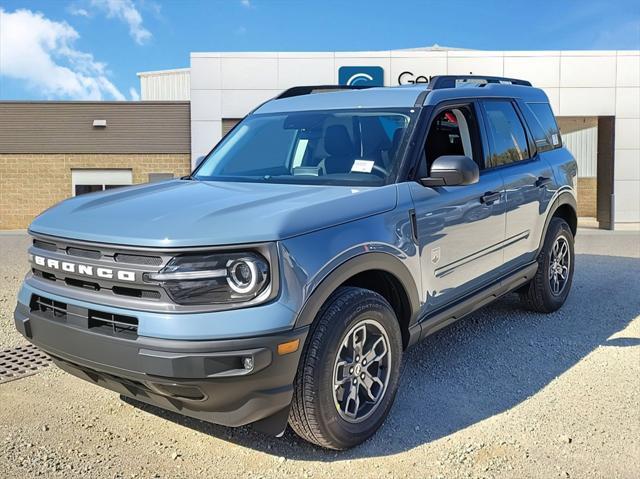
(509, 140)
(90, 180)
(547, 121)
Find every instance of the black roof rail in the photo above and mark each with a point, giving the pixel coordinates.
(307, 90)
(451, 81)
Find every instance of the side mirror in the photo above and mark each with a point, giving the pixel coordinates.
(452, 170)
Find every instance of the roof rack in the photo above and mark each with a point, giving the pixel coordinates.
(307, 90)
(453, 81)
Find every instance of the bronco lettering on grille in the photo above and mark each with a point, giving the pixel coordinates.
(84, 269)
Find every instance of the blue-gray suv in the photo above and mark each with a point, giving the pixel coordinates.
(330, 230)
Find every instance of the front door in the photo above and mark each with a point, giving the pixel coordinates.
(460, 229)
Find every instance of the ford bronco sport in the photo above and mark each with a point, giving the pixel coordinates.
(324, 235)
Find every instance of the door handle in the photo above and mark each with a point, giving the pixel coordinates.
(542, 181)
(490, 197)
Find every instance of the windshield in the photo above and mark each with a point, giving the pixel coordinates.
(346, 147)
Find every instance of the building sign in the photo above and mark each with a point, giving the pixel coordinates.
(361, 76)
(408, 77)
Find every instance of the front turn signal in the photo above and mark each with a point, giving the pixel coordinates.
(288, 347)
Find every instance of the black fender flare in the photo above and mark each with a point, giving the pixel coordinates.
(564, 198)
(277, 423)
(358, 264)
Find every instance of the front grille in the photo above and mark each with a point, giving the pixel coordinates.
(138, 259)
(113, 324)
(93, 286)
(84, 253)
(78, 283)
(97, 321)
(136, 292)
(87, 284)
(44, 245)
(49, 308)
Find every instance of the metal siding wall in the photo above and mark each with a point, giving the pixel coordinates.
(580, 136)
(67, 127)
(584, 146)
(165, 86)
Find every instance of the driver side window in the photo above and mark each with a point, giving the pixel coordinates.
(454, 131)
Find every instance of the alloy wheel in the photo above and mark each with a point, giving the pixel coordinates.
(361, 371)
(559, 264)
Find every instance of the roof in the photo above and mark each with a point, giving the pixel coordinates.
(396, 97)
(433, 48)
(173, 71)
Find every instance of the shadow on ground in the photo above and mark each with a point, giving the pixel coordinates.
(482, 366)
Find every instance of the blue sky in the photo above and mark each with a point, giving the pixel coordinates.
(92, 49)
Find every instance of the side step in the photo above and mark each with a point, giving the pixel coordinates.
(440, 319)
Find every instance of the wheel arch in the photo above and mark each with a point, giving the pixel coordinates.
(379, 272)
(565, 207)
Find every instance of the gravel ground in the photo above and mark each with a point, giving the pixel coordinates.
(504, 393)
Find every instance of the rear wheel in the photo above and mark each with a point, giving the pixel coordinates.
(550, 287)
(349, 372)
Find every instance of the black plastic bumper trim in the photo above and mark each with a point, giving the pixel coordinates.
(170, 374)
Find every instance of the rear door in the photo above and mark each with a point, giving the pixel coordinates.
(527, 179)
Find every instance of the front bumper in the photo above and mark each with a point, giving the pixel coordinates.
(207, 380)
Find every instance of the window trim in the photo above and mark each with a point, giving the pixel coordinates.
(521, 105)
(535, 115)
(395, 176)
(533, 153)
(419, 143)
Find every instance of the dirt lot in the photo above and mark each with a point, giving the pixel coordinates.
(504, 393)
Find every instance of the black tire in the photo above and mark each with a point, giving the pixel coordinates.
(538, 295)
(314, 414)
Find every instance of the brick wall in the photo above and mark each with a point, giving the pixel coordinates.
(30, 183)
(587, 197)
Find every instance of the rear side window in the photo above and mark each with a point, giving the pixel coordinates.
(508, 136)
(547, 123)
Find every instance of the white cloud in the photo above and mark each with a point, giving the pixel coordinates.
(126, 11)
(41, 52)
(246, 3)
(133, 93)
(78, 12)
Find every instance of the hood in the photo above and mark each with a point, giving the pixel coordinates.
(183, 213)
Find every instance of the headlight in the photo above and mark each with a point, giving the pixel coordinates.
(214, 278)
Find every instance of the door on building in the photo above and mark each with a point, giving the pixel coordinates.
(89, 180)
(580, 137)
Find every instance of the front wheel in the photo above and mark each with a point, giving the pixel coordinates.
(349, 372)
(550, 287)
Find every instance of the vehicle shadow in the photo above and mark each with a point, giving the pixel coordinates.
(481, 366)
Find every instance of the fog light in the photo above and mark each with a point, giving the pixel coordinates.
(247, 363)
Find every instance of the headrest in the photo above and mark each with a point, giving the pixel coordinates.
(337, 141)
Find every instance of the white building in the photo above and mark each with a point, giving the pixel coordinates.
(595, 95)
